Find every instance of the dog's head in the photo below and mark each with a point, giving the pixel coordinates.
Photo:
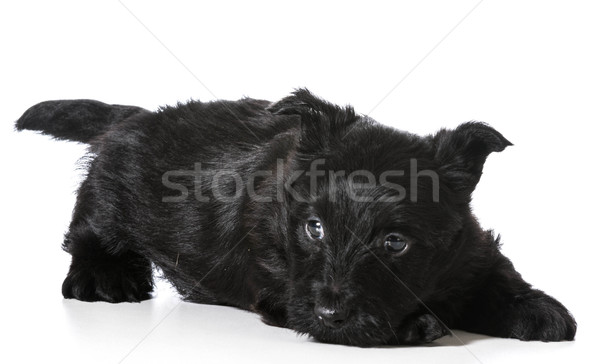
(374, 218)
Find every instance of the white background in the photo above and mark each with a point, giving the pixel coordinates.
(529, 68)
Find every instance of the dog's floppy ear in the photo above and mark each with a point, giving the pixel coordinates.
(322, 123)
(462, 152)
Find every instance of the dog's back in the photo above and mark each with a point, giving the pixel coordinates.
(148, 176)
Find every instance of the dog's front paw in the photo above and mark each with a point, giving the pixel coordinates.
(538, 316)
(421, 329)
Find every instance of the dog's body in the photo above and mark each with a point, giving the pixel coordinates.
(328, 254)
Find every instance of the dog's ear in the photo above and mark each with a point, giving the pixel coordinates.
(461, 153)
(322, 123)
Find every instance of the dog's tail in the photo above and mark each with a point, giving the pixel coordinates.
(76, 120)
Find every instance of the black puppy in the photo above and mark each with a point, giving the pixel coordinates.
(318, 219)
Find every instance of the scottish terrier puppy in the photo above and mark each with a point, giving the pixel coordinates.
(317, 218)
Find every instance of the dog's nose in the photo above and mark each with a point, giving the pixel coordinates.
(331, 317)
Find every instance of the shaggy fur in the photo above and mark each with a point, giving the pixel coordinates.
(330, 253)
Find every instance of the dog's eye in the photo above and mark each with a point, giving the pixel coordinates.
(395, 243)
(314, 229)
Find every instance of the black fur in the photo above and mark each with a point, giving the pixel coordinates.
(161, 190)
(78, 120)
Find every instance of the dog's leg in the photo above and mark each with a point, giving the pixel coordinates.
(101, 268)
(507, 306)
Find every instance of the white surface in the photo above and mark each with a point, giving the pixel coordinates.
(528, 68)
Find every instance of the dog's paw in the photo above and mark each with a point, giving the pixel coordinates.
(541, 317)
(89, 283)
(421, 329)
(270, 313)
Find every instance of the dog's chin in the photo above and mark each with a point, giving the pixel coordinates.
(351, 336)
(362, 330)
